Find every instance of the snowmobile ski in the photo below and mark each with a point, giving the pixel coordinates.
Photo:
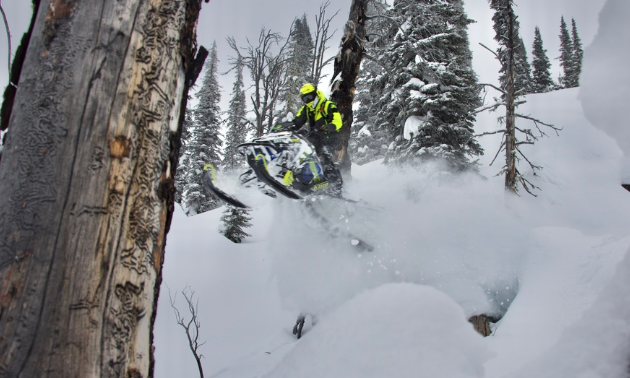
(264, 176)
(208, 178)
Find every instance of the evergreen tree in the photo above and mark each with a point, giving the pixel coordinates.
(205, 142)
(184, 160)
(566, 56)
(430, 91)
(235, 220)
(541, 80)
(236, 122)
(578, 55)
(522, 69)
(301, 56)
(523, 78)
(370, 133)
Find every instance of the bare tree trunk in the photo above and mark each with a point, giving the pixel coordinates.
(510, 112)
(347, 65)
(86, 185)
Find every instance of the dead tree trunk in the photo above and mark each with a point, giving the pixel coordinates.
(86, 185)
(347, 65)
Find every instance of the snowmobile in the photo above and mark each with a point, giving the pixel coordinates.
(282, 162)
(285, 162)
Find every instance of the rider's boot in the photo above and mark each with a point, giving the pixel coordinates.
(335, 182)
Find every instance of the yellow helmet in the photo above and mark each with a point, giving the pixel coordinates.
(308, 93)
(307, 88)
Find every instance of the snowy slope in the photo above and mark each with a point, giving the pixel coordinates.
(448, 247)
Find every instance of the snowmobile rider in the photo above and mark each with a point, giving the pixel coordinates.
(324, 122)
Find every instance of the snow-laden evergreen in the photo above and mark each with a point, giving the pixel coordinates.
(541, 75)
(237, 126)
(301, 57)
(578, 55)
(371, 134)
(235, 221)
(204, 145)
(522, 69)
(566, 56)
(421, 103)
(184, 159)
(523, 79)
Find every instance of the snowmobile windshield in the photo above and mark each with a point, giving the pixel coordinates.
(309, 97)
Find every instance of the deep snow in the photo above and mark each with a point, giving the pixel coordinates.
(448, 247)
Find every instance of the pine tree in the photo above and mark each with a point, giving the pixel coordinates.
(370, 134)
(566, 56)
(541, 76)
(301, 57)
(237, 125)
(205, 142)
(184, 160)
(523, 79)
(578, 55)
(430, 91)
(235, 220)
(522, 69)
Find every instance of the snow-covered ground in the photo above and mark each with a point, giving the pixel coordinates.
(448, 247)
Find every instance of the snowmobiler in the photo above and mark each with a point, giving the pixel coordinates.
(283, 162)
(323, 122)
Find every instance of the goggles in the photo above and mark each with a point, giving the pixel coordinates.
(309, 97)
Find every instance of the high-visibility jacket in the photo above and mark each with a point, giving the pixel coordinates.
(325, 112)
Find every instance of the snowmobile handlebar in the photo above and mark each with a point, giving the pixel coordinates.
(283, 126)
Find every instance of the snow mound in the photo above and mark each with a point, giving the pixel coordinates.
(395, 330)
(604, 90)
(595, 346)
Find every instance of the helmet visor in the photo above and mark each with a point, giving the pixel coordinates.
(309, 97)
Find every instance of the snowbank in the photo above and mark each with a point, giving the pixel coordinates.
(396, 330)
(605, 79)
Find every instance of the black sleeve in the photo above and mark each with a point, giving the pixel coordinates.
(300, 118)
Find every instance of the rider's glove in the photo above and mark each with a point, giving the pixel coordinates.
(329, 128)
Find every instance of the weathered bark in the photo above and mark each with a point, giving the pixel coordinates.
(347, 65)
(86, 185)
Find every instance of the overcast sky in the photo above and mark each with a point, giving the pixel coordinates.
(243, 19)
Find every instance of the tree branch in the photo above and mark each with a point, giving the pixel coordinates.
(191, 326)
(490, 133)
(495, 87)
(537, 121)
(501, 148)
(492, 108)
(493, 52)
